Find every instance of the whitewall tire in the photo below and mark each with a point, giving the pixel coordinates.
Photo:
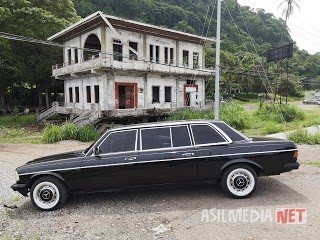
(239, 181)
(48, 193)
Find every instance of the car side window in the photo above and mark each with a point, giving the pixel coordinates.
(204, 134)
(122, 141)
(155, 138)
(180, 136)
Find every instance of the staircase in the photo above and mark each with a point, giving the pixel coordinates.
(79, 117)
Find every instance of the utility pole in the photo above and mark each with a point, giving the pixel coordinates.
(217, 69)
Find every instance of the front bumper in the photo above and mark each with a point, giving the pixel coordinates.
(21, 188)
(291, 166)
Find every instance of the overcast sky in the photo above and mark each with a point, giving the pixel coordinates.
(304, 24)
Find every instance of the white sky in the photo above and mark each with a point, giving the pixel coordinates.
(304, 24)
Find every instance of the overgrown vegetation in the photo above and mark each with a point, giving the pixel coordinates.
(267, 120)
(54, 133)
(280, 113)
(302, 136)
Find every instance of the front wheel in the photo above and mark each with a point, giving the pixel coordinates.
(239, 181)
(48, 193)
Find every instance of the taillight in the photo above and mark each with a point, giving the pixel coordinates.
(296, 154)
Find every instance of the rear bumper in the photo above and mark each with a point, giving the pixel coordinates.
(21, 188)
(291, 166)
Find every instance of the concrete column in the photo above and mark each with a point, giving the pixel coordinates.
(203, 60)
(177, 54)
(145, 47)
(103, 39)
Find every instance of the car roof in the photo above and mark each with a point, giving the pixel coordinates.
(165, 123)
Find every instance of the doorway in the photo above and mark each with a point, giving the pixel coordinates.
(126, 95)
(190, 95)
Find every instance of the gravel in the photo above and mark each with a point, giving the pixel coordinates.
(173, 213)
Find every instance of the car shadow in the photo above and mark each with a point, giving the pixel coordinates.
(270, 191)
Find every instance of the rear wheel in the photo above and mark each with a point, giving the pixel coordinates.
(48, 193)
(239, 181)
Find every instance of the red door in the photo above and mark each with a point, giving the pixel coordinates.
(126, 95)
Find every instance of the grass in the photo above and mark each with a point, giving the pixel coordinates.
(301, 136)
(54, 133)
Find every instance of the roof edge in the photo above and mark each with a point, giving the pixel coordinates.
(100, 14)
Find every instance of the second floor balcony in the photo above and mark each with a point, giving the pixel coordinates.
(104, 62)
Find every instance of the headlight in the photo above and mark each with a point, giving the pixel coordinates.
(16, 175)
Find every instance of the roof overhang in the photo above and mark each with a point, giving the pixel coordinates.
(98, 18)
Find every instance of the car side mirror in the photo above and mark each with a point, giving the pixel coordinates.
(96, 151)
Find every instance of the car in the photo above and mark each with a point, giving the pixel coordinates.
(312, 101)
(157, 154)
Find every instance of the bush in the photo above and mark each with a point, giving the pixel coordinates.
(69, 131)
(280, 113)
(233, 114)
(301, 136)
(236, 116)
(52, 134)
(272, 127)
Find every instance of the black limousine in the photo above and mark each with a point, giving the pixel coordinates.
(157, 154)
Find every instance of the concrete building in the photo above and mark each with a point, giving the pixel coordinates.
(117, 67)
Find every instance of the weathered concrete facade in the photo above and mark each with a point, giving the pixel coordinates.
(130, 65)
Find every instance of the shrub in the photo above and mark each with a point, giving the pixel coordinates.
(301, 136)
(233, 114)
(236, 116)
(69, 131)
(280, 113)
(87, 134)
(52, 134)
(272, 127)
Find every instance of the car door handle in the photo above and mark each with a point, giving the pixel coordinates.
(130, 158)
(187, 154)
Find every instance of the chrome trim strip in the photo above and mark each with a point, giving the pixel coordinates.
(162, 160)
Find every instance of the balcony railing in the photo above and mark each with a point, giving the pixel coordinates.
(105, 62)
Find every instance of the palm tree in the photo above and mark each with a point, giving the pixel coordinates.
(288, 10)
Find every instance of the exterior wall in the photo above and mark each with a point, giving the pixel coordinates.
(106, 83)
(143, 45)
(82, 82)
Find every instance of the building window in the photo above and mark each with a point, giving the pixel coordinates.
(151, 53)
(171, 56)
(155, 94)
(69, 57)
(76, 58)
(77, 94)
(70, 94)
(166, 55)
(167, 94)
(88, 88)
(195, 60)
(157, 54)
(185, 58)
(117, 50)
(132, 55)
(96, 94)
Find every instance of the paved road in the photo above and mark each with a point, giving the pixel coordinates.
(160, 214)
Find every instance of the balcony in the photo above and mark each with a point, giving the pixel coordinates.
(104, 62)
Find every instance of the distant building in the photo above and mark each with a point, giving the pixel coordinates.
(136, 67)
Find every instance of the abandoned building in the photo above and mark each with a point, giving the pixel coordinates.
(115, 67)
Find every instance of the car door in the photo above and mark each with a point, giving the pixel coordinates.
(211, 146)
(116, 165)
(166, 155)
